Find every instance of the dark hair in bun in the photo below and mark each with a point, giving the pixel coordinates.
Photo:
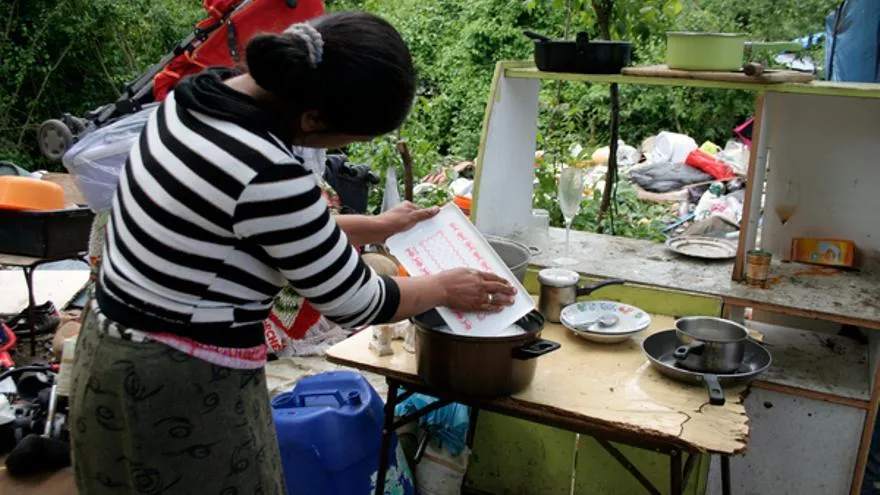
(364, 85)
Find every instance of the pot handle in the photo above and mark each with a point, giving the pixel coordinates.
(302, 398)
(682, 352)
(581, 40)
(589, 289)
(535, 36)
(534, 349)
(713, 386)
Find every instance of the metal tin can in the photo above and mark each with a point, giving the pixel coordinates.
(758, 268)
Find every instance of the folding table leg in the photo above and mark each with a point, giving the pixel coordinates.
(472, 427)
(387, 433)
(675, 473)
(725, 475)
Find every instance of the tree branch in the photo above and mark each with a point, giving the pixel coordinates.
(603, 10)
(36, 100)
(34, 44)
(112, 83)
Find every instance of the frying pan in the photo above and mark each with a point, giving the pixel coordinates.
(660, 346)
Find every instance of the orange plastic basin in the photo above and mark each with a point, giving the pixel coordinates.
(24, 193)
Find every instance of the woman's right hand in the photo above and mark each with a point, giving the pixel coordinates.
(473, 291)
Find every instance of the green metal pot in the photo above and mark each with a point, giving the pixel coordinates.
(704, 51)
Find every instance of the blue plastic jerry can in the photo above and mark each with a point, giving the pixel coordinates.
(330, 432)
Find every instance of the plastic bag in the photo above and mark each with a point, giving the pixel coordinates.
(707, 163)
(735, 154)
(714, 204)
(95, 160)
(665, 177)
(449, 424)
(440, 472)
(671, 147)
(391, 197)
(627, 156)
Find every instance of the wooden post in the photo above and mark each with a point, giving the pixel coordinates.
(407, 170)
(754, 180)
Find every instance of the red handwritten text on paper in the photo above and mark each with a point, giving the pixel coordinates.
(449, 247)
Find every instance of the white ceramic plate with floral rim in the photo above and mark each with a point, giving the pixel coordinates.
(583, 317)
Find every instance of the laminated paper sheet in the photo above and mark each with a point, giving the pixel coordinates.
(450, 241)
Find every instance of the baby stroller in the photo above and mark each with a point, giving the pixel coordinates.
(219, 40)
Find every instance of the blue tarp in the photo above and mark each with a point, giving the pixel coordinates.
(853, 49)
(449, 424)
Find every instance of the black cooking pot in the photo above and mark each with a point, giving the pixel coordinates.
(479, 366)
(581, 56)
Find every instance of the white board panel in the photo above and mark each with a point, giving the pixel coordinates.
(830, 148)
(504, 201)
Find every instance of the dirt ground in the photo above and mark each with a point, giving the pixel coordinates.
(58, 483)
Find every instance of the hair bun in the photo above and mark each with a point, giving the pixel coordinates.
(274, 61)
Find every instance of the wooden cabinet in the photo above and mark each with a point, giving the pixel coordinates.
(821, 136)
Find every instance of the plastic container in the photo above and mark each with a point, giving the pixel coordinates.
(828, 252)
(25, 193)
(45, 234)
(671, 147)
(329, 433)
(464, 204)
(707, 163)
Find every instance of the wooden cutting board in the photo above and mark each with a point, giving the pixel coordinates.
(768, 77)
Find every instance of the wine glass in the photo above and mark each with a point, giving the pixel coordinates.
(570, 194)
(789, 197)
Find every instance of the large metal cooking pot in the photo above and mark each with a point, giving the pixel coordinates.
(515, 255)
(581, 55)
(708, 344)
(479, 366)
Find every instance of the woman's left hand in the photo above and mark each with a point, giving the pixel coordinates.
(403, 217)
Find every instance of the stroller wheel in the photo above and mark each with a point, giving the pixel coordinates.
(54, 138)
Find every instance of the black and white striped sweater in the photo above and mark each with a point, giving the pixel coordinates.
(213, 214)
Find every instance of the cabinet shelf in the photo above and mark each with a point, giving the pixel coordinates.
(527, 70)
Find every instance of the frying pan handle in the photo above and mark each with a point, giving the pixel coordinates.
(713, 386)
(589, 289)
(534, 349)
(682, 352)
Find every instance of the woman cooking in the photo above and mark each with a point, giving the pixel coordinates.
(212, 216)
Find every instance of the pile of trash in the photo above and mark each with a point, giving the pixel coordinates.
(707, 181)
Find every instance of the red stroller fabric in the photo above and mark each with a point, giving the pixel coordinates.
(245, 18)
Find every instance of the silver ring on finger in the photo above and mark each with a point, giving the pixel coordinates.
(491, 299)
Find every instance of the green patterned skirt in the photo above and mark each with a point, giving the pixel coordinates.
(148, 419)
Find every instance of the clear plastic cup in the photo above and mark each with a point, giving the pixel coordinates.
(538, 232)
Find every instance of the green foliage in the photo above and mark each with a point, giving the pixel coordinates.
(631, 217)
(74, 55)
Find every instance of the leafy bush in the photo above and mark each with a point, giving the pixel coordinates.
(72, 56)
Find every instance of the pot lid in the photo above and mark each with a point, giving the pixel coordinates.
(558, 277)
